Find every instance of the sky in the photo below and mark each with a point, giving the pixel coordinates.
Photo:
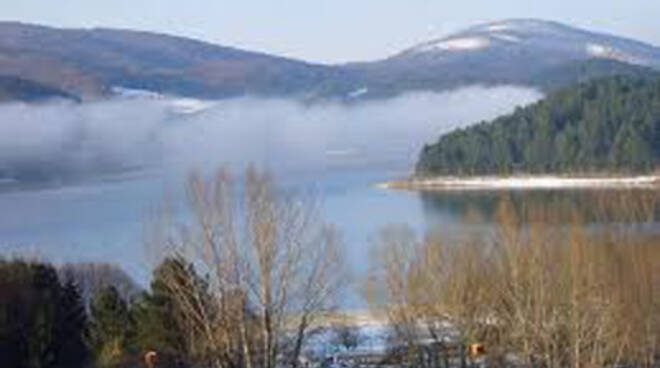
(332, 31)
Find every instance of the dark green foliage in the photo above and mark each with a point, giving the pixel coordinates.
(42, 322)
(158, 325)
(72, 327)
(110, 327)
(608, 125)
(167, 319)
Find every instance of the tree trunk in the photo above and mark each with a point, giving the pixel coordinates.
(299, 341)
(244, 335)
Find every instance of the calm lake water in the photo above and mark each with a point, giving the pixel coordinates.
(105, 222)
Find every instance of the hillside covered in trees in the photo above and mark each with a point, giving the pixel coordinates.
(609, 125)
(19, 89)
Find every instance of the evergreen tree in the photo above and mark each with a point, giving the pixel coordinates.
(159, 326)
(110, 327)
(72, 328)
(42, 323)
(611, 124)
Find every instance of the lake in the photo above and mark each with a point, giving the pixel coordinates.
(105, 221)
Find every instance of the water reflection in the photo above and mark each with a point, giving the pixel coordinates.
(555, 206)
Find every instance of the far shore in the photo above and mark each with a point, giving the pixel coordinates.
(524, 182)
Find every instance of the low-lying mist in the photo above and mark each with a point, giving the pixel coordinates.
(59, 141)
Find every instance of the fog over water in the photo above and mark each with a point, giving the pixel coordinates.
(148, 144)
(281, 134)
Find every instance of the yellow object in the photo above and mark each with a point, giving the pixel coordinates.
(476, 349)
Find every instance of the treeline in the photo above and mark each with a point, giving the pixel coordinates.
(603, 126)
(45, 320)
(42, 319)
(19, 89)
(533, 292)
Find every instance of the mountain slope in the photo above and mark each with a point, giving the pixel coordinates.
(505, 52)
(91, 63)
(607, 125)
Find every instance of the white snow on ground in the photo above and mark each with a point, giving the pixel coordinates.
(179, 105)
(499, 27)
(506, 37)
(135, 93)
(595, 49)
(465, 43)
(603, 51)
(525, 183)
(187, 106)
(358, 92)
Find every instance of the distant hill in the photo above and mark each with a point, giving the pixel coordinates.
(89, 63)
(92, 63)
(603, 126)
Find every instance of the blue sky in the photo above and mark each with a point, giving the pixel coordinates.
(332, 31)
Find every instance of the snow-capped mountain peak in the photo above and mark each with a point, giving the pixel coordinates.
(545, 39)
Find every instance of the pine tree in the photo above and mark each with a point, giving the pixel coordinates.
(158, 322)
(605, 125)
(42, 323)
(72, 328)
(109, 327)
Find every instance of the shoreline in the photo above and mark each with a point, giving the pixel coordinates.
(523, 182)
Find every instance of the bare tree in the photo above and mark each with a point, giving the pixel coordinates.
(536, 291)
(270, 263)
(92, 277)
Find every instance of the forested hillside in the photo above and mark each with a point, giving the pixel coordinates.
(568, 74)
(18, 89)
(604, 126)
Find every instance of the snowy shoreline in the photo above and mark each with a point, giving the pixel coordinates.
(524, 183)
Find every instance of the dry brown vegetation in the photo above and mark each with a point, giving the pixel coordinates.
(537, 291)
(268, 267)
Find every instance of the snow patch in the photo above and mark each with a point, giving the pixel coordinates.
(525, 183)
(498, 27)
(598, 50)
(135, 93)
(453, 44)
(178, 105)
(608, 52)
(189, 106)
(358, 92)
(506, 37)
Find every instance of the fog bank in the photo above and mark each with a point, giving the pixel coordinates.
(61, 140)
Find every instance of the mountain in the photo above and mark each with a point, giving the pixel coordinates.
(606, 125)
(519, 51)
(93, 63)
